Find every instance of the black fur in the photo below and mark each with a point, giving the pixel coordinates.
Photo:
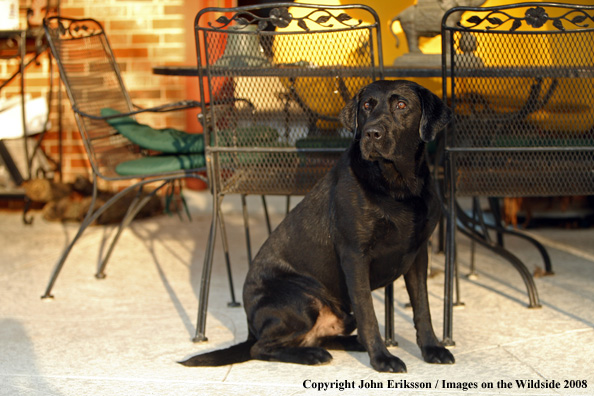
(362, 226)
(234, 354)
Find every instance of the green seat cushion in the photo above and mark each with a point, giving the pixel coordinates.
(167, 140)
(309, 159)
(256, 136)
(160, 164)
(322, 142)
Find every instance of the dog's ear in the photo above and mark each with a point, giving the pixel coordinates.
(436, 115)
(348, 115)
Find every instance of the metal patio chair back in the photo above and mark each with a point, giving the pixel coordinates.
(276, 77)
(102, 106)
(93, 81)
(520, 80)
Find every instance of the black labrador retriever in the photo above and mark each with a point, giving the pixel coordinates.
(362, 226)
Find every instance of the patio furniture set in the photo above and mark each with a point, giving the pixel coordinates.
(273, 79)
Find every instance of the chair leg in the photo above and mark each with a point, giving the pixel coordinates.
(496, 211)
(533, 299)
(448, 303)
(458, 302)
(450, 257)
(469, 226)
(472, 274)
(266, 215)
(200, 335)
(539, 246)
(89, 218)
(135, 206)
(500, 229)
(389, 312)
(476, 217)
(246, 224)
(233, 302)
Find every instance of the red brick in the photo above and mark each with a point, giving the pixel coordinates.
(174, 38)
(174, 93)
(168, 53)
(119, 39)
(79, 163)
(145, 94)
(141, 66)
(131, 53)
(51, 135)
(168, 24)
(31, 83)
(145, 39)
(128, 25)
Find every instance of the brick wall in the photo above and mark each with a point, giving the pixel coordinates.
(143, 33)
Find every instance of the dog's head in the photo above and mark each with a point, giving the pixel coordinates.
(390, 119)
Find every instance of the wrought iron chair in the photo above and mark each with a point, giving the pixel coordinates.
(277, 76)
(521, 84)
(118, 147)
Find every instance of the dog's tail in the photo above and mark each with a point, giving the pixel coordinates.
(235, 354)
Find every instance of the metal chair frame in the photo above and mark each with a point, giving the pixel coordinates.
(91, 86)
(265, 33)
(495, 153)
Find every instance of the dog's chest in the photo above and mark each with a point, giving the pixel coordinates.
(395, 238)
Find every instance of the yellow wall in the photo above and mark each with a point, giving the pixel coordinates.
(387, 10)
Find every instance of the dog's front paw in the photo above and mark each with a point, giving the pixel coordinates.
(438, 355)
(388, 364)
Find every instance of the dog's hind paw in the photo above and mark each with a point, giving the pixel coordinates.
(437, 355)
(313, 356)
(388, 364)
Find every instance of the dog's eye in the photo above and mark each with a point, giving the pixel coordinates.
(367, 105)
(401, 105)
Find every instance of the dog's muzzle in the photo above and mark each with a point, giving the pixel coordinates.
(375, 143)
(374, 133)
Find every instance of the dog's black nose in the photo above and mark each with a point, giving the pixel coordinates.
(374, 133)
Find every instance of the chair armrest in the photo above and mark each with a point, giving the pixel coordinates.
(175, 106)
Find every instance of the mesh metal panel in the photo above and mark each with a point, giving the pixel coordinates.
(93, 82)
(277, 78)
(522, 89)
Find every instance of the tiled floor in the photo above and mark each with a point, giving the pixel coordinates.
(123, 335)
